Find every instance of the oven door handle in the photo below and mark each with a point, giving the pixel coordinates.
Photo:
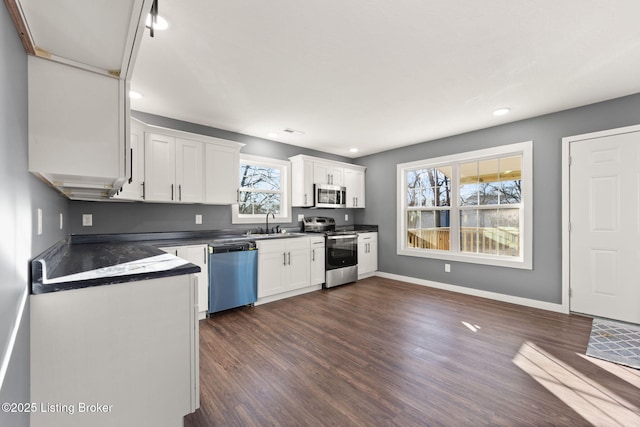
(342, 237)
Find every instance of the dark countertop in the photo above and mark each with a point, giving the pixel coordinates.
(82, 261)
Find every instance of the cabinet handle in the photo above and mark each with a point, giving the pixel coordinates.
(131, 169)
(328, 179)
(171, 191)
(305, 198)
(176, 252)
(238, 196)
(289, 253)
(180, 192)
(284, 258)
(144, 190)
(205, 255)
(356, 202)
(313, 255)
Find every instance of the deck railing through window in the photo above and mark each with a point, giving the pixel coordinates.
(497, 241)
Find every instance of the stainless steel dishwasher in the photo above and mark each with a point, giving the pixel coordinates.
(233, 275)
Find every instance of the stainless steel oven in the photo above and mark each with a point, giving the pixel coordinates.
(341, 253)
(341, 258)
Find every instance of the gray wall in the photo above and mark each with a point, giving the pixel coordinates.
(123, 217)
(544, 282)
(22, 194)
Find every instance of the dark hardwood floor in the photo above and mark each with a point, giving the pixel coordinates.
(380, 352)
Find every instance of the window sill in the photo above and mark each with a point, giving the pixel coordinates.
(495, 261)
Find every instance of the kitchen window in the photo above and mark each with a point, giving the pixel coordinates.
(263, 186)
(472, 207)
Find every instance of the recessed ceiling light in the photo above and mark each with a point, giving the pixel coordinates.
(134, 95)
(353, 150)
(272, 135)
(161, 23)
(501, 111)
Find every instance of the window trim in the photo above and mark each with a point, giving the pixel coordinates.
(285, 211)
(525, 260)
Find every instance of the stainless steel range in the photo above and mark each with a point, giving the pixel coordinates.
(341, 247)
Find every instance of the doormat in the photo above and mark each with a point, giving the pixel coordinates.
(615, 342)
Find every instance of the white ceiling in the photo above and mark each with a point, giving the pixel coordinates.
(379, 74)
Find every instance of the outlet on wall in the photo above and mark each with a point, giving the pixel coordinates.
(198, 219)
(87, 220)
(300, 217)
(346, 217)
(447, 268)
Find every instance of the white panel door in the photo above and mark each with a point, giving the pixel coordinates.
(159, 168)
(189, 174)
(605, 226)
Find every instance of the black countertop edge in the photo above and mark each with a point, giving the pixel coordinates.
(362, 228)
(38, 288)
(154, 236)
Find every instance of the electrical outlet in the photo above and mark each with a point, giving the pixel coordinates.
(198, 219)
(447, 268)
(39, 221)
(61, 221)
(87, 220)
(300, 217)
(346, 217)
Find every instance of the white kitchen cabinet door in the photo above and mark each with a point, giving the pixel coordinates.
(198, 255)
(327, 173)
(272, 271)
(78, 131)
(222, 171)
(367, 254)
(301, 182)
(159, 168)
(317, 261)
(189, 175)
(298, 263)
(354, 182)
(133, 346)
(133, 187)
(283, 265)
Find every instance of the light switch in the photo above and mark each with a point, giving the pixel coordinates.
(87, 220)
(198, 219)
(447, 268)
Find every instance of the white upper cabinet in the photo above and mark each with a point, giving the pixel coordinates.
(222, 168)
(307, 171)
(189, 174)
(327, 173)
(133, 188)
(182, 167)
(173, 169)
(82, 55)
(354, 182)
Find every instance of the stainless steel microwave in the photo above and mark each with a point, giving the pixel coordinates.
(330, 196)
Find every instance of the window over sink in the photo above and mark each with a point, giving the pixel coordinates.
(263, 186)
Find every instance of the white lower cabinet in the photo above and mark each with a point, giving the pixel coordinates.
(198, 255)
(367, 254)
(283, 265)
(317, 261)
(100, 358)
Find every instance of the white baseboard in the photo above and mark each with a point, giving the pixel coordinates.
(476, 292)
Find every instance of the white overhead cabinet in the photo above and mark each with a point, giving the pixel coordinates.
(222, 168)
(78, 86)
(306, 171)
(173, 169)
(133, 188)
(354, 182)
(182, 167)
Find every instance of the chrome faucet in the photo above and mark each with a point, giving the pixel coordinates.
(272, 216)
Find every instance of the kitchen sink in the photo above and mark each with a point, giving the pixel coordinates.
(258, 236)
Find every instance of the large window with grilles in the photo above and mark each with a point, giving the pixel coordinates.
(473, 207)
